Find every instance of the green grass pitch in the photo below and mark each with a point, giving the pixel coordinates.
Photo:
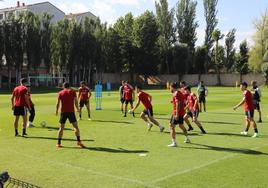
(222, 158)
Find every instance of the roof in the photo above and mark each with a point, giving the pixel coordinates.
(78, 14)
(23, 7)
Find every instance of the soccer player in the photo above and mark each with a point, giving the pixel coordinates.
(20, 103)
(146, 100)
(249, 109)
(128, 97)
(193, 109)
(67, 98)
(177, 115)
(256, 98)
(32, 109)
(84, 97)
(202, 94)
(185, 94)
(121, 94)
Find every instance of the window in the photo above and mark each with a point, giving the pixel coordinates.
(1, 16)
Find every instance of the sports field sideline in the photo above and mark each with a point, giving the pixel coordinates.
(121, 153)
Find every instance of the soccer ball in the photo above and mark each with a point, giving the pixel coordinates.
(43, 124)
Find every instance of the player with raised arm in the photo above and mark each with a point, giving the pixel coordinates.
(84, 97)
(67, 99)
(122, 98)
(256, 91)
(192, 109)
(249, 109)
(128, 97)
(32, 109)
(202, 94)
(177, 115)
(20, 103)
(146, 100)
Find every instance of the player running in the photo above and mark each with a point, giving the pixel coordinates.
(67, 98)
(32, 109)
(256, 98)
(20, 103)
(177, 115)
(146, 100)
(202, 94)
(84, 97)
(193, 109)
(249, 110)
(121, 94)
(128, 97)
(185, 94)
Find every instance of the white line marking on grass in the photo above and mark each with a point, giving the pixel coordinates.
(199, 167)
(67, 165)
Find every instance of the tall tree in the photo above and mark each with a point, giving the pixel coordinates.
(165, 21)
(217, 36)
(230, 50)
(211, 24)
(1, 42)
(187, 25)
(46, 33)
(200, 59)
(242, 59)
(260, 39)
(146, 36)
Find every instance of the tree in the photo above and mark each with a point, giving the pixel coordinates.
(180, 56)
(186, 26)
(211, 23)
(230, 50)
(200, 59)
(32, 40)
(217, 36)
(242, 59)
(46, 36)
(260, 39)
(264, 69)
(165, 20)
(1, 42)
(145, 33)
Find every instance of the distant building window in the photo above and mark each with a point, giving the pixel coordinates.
(1, 16)
(10, 14)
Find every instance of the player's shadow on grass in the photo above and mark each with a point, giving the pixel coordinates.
(54, 138)
(226, 134)
(220, 122)
(54, 128)
(119, 150)
(111, 121)
(189, 133)
(227, 113)
(231, 150)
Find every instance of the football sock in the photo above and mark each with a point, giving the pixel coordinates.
(88, 115)
(246, 130)
(202, 129)
(190, 127)
(256, 130)
(59, 140)
(80, 116)
(23, 131)
(133, 114)
(78, 138)
(16, 132)
(173, 140)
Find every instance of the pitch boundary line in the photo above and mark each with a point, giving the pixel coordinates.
(199, 167)
(67, 165)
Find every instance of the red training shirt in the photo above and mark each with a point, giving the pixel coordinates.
(144, 98)
(20, 92)
(178, 97)
(192, 102)
(83, 92)
(128, 92)
(67, 96)
(249, 106)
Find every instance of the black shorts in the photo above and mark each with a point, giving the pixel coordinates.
(193, 114)
(84, 102)
(202, 99)
(122, 100)
(173, 120)
(129, 101)
(20, 111)
(249, 114)
(256, 105)
(149, 112)
(67, 115)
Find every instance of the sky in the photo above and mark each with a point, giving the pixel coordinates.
(238, 14)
